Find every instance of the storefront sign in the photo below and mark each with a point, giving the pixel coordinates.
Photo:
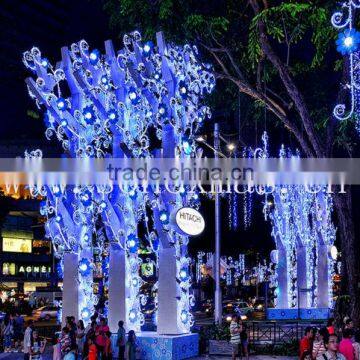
(190, 221)
(17, 245)
(21, 269)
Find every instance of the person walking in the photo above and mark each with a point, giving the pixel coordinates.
(244, 340)
(121, 340)
(319, 344)
(306, 344)
(80, 337)
(101, 330)
(7, 332)
(37, 347)
(28, 339)
(235, 331)
(346, 346)
(18, 324)
(131, 346)
(332, 349)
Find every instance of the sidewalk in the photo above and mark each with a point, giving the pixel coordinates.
(48, 356)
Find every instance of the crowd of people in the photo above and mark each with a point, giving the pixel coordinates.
(325, 344)
(75, 342)
(93, 342)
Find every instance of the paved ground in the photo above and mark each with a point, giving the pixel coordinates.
(48, 356)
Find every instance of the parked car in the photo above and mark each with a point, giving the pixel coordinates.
(46, 312)
(244, 307)
(230, 310)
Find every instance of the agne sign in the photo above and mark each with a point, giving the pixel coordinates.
(189, 221)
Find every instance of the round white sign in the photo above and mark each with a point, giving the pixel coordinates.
(190, 221)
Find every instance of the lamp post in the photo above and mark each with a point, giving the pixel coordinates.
(218, 296)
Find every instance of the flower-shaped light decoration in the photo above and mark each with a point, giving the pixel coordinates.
(348, 41)
(84, 267)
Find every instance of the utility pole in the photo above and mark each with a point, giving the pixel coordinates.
(218, 296)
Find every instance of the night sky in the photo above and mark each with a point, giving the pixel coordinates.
(50, 25)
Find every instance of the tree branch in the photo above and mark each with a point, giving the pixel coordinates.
(289, 84)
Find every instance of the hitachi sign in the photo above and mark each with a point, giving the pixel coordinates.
(190, 221)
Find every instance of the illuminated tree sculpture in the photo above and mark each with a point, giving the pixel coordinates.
(304, 236)
(144, 101)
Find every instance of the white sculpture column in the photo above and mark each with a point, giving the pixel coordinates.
(168, 293)
(117, 287)
(70, 305)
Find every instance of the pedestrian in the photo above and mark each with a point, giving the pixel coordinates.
(349, 324)
(332, 349)
(121, 340)
(319, 344)
(7, 333)
(56, 349)
(18, 324)
(346, 346)
(108, 347)
(235, 331)
(92, 349)
(306, 344)
(101, 330)
(331, 326)
(131, 346)
(244, 340)
(37, 347)
(28, 339)
(65, 342)
(356, 345)
(80, 336)
(90, 334)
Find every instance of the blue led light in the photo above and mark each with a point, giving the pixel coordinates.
(148, 46)
(61, 104)
(348, 41)
(89, 115)
(164, 217)
(84, 267)
(132, 243)
(85, 313)
(94, 57)
(86, 198)
(112, 116)
(187, 146)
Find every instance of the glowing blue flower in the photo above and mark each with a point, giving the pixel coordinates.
(348, 41)
(183, 89)
(64, 123)
(132, 243)
(44, 62)
(86, 198)
(184, 316)
(187, 146)
(61, 104)
(94, 57)
(104, 80)
(133, 315)
(84, 267)
(89, 115)
(132, 193)
(103, 205)
(164, 217)
(85, 313)
(184, 274)
(58, 218)
(162, 109)
(112, 116)
(148, 46)
(56, 190)
(133, 96)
